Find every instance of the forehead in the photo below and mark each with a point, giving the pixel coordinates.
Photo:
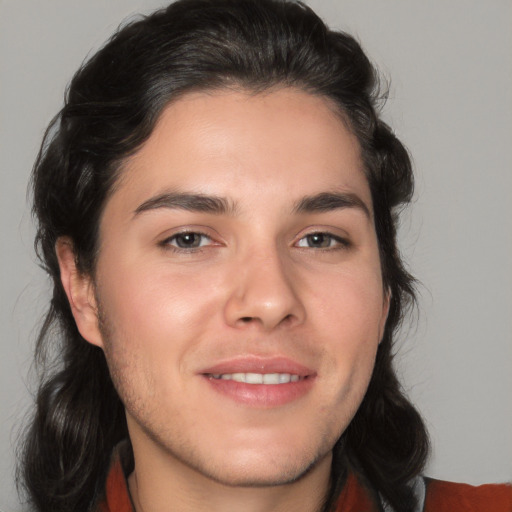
(285, 143)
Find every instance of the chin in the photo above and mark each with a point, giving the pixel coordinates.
(260, 468)
(269, 475)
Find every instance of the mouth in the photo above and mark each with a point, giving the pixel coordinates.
(260, 382)
(258, 378)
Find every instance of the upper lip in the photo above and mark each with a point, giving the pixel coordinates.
(256, 364)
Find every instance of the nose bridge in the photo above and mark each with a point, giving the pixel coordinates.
(263, 291)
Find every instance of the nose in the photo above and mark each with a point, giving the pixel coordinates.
(264, 293)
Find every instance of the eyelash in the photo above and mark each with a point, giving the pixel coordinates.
(168, 242)
(335, 242)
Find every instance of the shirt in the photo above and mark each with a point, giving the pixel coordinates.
(433, 495)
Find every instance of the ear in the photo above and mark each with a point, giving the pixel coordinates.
(79, 289)
(385, 311)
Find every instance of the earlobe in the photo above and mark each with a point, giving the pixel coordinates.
(79, 289)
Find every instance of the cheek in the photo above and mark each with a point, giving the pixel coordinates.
(350, 313)
(351, 304)
(157, 309)
(153, 322)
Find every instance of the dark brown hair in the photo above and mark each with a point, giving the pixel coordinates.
(110, 109)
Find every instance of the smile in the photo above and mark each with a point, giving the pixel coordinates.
(258, 378)
(260, 382)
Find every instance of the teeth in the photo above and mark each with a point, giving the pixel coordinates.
(274, 378)
(258, 378)
(250, 378)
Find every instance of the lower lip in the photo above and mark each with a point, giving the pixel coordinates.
(261, 395)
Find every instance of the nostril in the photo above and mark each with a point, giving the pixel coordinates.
(246, 319)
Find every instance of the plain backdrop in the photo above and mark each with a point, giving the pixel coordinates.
(450, 65)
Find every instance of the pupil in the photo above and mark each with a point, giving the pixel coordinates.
(318, 240)
(188, 240)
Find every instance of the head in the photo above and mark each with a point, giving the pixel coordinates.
(201, 58)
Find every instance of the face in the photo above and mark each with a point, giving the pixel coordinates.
(238, 286)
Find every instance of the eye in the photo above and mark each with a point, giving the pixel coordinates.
(188, 240)
(322, 241)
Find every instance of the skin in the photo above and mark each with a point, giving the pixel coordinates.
(258, 284)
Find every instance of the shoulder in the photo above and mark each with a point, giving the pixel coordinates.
(431, 495)
(444, 496)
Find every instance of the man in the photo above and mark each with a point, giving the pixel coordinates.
(216, 208)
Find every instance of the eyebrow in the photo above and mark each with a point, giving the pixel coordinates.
(322, 202)
(190, 202)
(327, 201)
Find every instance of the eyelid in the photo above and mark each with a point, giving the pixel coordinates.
(339, 242)
(165, 241)
(185, 233)
(339, 235)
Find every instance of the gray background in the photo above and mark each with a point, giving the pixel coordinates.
(450, 102)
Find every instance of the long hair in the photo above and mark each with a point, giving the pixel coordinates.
(111, 107)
